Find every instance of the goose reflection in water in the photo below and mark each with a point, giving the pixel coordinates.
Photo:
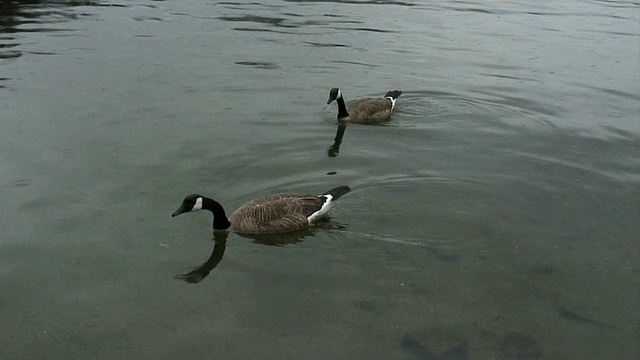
(200, 272)
(334, 149)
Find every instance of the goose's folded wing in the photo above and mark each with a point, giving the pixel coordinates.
(275, 214)
(357, 102)
(373, 109)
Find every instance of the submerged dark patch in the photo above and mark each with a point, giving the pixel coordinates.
(517, 346)
(570, 315)
(422, 352)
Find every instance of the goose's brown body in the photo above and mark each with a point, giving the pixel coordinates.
(369, 110)
(275, 214)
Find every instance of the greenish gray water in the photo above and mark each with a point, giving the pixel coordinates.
(499, 208)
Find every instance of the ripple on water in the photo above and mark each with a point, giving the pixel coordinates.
(275, 21)
(22, 182)
(21, 17)
(318, 44)
(615, 93)
(247, 4)
(148, 18)
(3, 79)
(366, 29)
(444, 208)
(258, 64)
(291, 21)
(31, 17)
(355, 2)
(495, 113)
(10, 54)
(354, 63)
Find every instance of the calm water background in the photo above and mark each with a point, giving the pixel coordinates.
(499, 208)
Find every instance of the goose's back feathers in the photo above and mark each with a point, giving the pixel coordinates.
(282, 213)
(275, 214)
(370, 110)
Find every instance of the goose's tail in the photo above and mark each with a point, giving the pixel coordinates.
(337, 192)
(393, 94)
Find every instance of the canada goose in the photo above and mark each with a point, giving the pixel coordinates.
(367, 110)
(271, 214)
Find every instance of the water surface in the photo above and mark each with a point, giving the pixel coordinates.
(494, 217)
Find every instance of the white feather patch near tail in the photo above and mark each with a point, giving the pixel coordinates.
(323, 211)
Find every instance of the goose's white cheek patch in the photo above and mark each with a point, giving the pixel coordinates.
(198, 205)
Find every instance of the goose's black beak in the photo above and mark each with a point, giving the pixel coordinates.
(182, 209)
(329, 101)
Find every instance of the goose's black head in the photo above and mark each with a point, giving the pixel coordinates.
(334, 94)
(190, 203)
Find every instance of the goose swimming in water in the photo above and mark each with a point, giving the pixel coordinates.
(367, 110)
(271, 214)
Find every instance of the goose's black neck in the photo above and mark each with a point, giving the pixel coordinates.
(220, 221)
(342, 108)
